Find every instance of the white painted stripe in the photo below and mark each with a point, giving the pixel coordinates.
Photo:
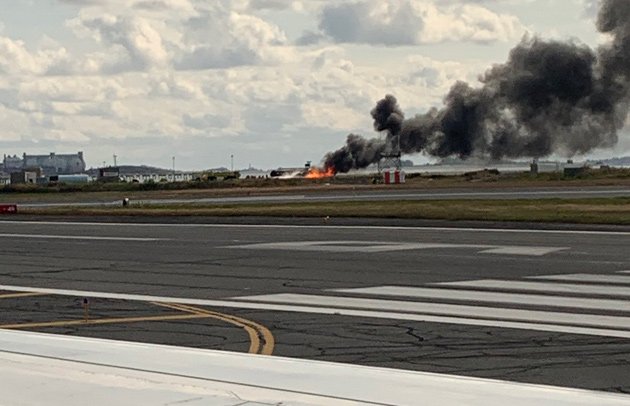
(602, 290)
(330, 311)
(532, 316)
(351, 246)
(332, 227)
(76, 237)
(516, 250)
(386, 246)
(493, 297)
(584, 277)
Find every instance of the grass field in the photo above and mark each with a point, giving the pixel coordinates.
(580, 211)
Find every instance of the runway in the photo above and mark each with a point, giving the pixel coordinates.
(369, 195)
(538, 306)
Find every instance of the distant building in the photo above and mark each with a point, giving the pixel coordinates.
(108, 174)
(159, 177)
(55, 164)
(12, 164)
(572, 170)
(5, 178)
(26, 176)
(52, 164)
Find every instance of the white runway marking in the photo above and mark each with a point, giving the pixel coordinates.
(345, 246)
(583, 277)
(492, 297)
(602, 290)
(324, 227)
(76, 237)
(605, 332)
(536, 316)
(380, 246)
(527, 251)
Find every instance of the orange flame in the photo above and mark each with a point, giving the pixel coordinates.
(317, 173)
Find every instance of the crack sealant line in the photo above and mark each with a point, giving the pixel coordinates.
(324, 227)
(78, 237)
(18, 295)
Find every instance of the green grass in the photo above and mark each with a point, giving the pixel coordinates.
(581, 211)
(585, 211)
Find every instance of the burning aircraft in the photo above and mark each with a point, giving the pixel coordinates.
(308, 172)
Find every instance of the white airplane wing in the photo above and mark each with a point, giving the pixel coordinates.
(43, 369)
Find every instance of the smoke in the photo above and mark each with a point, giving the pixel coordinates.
(549, 97)
(357, 153)
(388, 116)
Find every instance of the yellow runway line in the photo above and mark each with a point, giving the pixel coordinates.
(63, 323)
(253, 329)
(14, 295)
(254, 338)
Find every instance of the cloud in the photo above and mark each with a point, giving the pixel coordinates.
(591, 8)
(135, 35)
(16, 58)
(412, 22)
(170, 86)
(273, 5)
(176, 33)
(224, 39)
(203, 122)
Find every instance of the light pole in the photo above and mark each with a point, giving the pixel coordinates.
(232, 162)
(173, 169)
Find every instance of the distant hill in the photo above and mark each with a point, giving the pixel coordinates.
(134, 170)
(622, 161)
(475, 161)
(220, 169)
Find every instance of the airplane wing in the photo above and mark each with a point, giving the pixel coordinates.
(45, 369)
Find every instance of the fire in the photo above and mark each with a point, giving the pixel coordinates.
(317, 173)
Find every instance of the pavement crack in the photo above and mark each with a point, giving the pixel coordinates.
(411, 332)
(181, 402)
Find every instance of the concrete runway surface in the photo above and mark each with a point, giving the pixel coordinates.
(539, 306)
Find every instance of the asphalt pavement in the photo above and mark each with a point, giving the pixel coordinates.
(540, 306)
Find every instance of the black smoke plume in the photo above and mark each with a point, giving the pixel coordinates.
(549, 97)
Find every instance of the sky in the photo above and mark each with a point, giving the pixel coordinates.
(270, 82)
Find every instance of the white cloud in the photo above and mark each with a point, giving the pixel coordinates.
(591, 7)
(223, 39)
(141, 41)
(179, 33)
(16, 59)
(413, 22)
